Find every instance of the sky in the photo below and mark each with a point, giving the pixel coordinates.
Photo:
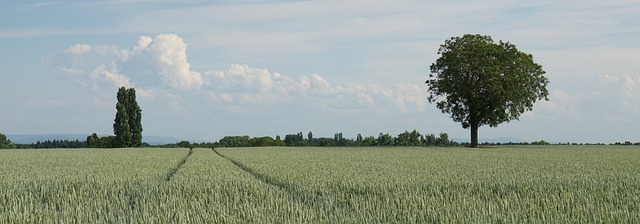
(207, 69)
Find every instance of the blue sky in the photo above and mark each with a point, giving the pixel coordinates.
(206, 69)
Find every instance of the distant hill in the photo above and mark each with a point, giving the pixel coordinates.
(28, 139)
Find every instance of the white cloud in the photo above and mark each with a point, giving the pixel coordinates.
(410, 94)
(176, 103)
(608, 78)
(80, 58)
(561, 96)
(620, 98)
(161, 58)
(170, 53)
(560, 105)
(146, 93)
(78, 49)
(613, 98)
(221, 97)
(143, 42)
(258, 79)
(110, 74)
(628, 86)
(631, 86)
(244, 85)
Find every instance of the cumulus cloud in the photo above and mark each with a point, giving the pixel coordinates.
(84, 59)
(245, 85)
(110, 74)
(627, 85)
(169, 53)
(614, 98)
(608, 78)
(631, 86)
(161, 58)
(621, 104)
(160, 62)
(560, 104)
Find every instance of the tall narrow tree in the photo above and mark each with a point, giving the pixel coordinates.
(135, 118)
(121, 128)
(310, 138)
(127, 126)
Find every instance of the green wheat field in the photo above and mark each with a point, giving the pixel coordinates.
(527, 184)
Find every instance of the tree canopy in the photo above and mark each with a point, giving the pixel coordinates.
(480, 82)
(5, 143)
(127, 126)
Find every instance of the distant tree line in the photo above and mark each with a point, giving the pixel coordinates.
(92, 141)
(413, 138)
(110, 141)
(54, 144)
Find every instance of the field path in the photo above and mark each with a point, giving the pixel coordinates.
(304, 197)
(175, 169)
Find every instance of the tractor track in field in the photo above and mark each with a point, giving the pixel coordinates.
(175, 169)
(261, 177)
(298, 195)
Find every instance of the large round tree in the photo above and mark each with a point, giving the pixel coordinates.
(480, 82)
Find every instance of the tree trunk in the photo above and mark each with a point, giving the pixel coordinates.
(474, 134)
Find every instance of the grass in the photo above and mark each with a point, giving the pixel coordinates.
(550, 184)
